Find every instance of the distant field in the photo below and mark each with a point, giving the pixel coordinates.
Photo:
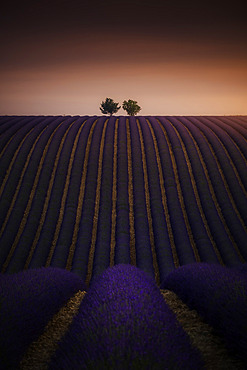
(85, 193)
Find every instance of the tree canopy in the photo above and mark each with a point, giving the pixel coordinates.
(131, 107)
(109, 106)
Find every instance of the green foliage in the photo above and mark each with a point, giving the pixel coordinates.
(131, 107)
(109, 106)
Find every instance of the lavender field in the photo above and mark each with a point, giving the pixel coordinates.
(85, 193)
(163, 194)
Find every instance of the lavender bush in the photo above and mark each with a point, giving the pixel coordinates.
(124, 323)
(28, 300)
(219, 295)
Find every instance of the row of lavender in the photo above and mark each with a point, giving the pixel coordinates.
(85, 193)
(51, 320)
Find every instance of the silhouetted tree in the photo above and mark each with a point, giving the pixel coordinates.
(109, 106)
(131, 107)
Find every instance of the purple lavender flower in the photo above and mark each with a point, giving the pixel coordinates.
(124, 323)
(219, 295)
(29, 300)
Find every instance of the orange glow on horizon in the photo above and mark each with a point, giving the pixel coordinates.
(165, 77)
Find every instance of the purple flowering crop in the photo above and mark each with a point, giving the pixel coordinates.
(174, 194)
(124, 323)
(28, 300)
(219, 295)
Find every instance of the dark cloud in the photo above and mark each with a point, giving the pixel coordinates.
(34, 30)
(125, 16)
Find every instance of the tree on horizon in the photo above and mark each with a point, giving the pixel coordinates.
(131, 107)
(109, 106)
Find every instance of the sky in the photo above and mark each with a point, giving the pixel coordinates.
(173, 57)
